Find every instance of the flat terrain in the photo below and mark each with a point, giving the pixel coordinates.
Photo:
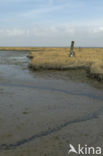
(42, 112)
(90, 59)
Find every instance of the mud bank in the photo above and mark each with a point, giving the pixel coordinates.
(90, 59)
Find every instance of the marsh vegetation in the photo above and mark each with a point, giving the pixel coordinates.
(90, 59)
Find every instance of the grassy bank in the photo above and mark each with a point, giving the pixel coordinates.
(90, 59)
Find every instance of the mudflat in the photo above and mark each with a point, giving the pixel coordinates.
(42, 112)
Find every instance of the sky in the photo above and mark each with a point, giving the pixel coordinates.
(51, 23)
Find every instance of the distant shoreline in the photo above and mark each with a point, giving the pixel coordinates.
(31, 47)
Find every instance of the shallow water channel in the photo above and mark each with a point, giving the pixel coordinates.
(39, 109)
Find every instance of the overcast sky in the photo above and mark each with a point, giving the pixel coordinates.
(51, 22)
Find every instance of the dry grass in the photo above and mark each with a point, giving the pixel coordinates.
(29, 49)
(58, 58)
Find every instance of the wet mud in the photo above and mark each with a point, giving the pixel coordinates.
(37, 108)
